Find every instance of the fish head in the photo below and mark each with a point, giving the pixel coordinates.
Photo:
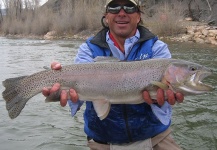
(186, 77)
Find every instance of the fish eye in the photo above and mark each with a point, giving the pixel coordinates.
(193, 68)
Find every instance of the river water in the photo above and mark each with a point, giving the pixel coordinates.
(47, 126)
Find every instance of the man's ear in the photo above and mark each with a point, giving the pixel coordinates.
(106, 19)
(139, 19)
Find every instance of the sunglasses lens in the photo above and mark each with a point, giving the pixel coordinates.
(115, 9)
(130, 10)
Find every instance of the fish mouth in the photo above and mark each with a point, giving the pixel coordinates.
(195, 85)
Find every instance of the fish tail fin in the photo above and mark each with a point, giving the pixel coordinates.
(14, 100)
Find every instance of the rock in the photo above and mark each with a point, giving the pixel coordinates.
(205, 32)
(211, 34)
(199, 40)
(186, 38)
(191, 30)
(188, 19)
(197, 34)
(214, 42)
(207, 41)
(50, 35)
(214, 32)
(201, 34)
(210, 40)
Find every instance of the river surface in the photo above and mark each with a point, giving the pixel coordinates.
(47, 126)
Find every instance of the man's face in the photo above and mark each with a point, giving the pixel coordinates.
(122, 24)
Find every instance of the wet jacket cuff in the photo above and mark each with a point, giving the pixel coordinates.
(163, 113)
(75, 106)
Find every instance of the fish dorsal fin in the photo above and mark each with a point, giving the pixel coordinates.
(46, 68)
(106, 59)
(102, 108)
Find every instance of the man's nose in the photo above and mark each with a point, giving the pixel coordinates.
(122, 12)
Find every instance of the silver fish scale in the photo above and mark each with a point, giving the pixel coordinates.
(124, 77)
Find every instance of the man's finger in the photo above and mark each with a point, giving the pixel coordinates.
(56, 66)
(179, 97)
(55, 88)
(147, 98)
(63, 98)
(160, 97)
(73, 95)
(45, 91)
(171, 97)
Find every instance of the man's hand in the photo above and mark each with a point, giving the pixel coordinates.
(65, 95)
(172, 98)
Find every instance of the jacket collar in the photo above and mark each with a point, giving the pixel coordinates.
(100, 38)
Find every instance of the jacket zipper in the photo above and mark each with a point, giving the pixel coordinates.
(126, 123)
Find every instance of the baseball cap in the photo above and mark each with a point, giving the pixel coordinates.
(133, 1)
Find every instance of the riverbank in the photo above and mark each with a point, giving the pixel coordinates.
(53, 35)
(199, 34)
(196, 32)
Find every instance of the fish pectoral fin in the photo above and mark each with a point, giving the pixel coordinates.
(102, 108)
(160, 85)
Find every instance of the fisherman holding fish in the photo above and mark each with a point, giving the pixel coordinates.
(128, 102)
(138, 126)
(127, 126)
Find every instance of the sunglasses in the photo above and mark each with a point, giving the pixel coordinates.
(116, 8)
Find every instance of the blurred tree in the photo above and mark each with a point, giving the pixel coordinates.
(213, 8)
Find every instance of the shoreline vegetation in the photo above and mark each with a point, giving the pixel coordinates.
(70, 19)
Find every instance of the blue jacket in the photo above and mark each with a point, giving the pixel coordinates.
(124, 123)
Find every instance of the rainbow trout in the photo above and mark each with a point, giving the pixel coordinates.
(109, 83)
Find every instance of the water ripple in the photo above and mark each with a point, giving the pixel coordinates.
(47, 126)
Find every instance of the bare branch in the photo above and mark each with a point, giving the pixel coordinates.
(210, 8)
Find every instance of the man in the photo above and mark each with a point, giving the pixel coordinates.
(126, 126)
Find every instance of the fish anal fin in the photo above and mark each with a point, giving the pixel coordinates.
(102, 108)
(160, 85)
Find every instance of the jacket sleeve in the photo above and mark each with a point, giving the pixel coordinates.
(160, 50)
(84, 54)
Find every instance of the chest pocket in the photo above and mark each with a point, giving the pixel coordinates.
(142, 51)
